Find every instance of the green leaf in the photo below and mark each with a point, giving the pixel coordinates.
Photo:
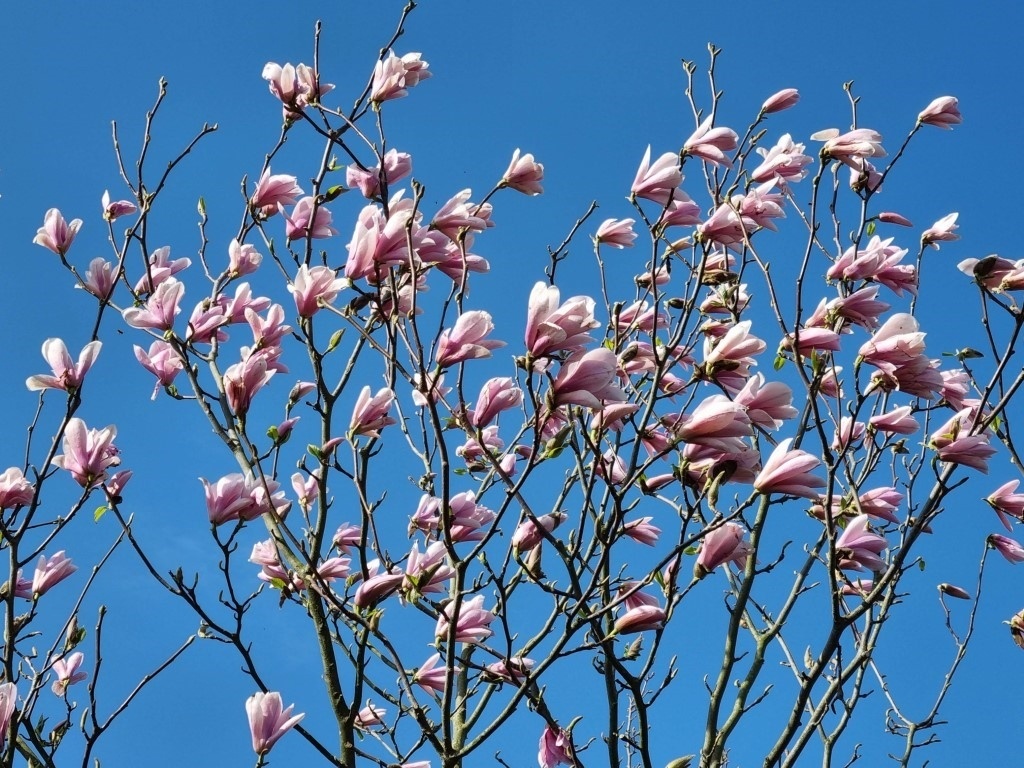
(780, 362)
(871, 228)
(100, 511)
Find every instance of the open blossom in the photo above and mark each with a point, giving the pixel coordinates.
(268, 720)
(555, 748)
(467, 340)
(15, 490)
(56, 234)
(470, 622)
(789, 472)
(657, 182)
(768, 404)
(274, 190)
(314, 288)
(898, 421)
(117, 208)
(459, 215)
(896, 343)
(785, 161)
(723, 545)
(711, 144)
(243, 497)
(162, 360)
(242, 259)
(67, 374)
(589, 380)
(524, 174)
(431, 677)
(161, 308)
(51, 571)
(971, 451)
(642, 530)
(296, 86)
(99, 278)
(394, 75)
(371, 413)
(395, 166)
(617, 233)
(1007, 547)
(1005, 502)
(243, 380)
(66, 670)
(941, 231)
(943, 112)
(553, 327)
(160, 268)
(303, 222)
(851, 148)
(88, 452)
(858, 547)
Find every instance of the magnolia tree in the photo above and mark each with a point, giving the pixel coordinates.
(703, 489)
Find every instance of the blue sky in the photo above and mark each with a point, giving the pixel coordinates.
(585, 87)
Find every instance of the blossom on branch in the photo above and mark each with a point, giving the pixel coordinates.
(268, 720)
(67, 374)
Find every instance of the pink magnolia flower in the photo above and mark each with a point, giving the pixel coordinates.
(858, 548)
(898, 421)
(1007, 547)
(163, 361)
(296, 86)
(66, 670)
(243, 380)
(943, 112)
(378, 586)
(954, 591)
(732, 352)
(711, 144)
(555, 748)
(714, 419)
(116, 209)
(161, 308)
(789, 472)
(243, 497)
(347, 536)
(243, 259)
(274, 190)
(514, 670)
(657, 182)
(268, 720)
(56, 234)
(891, 217)
(67, 375)
(314, 288)
(896, 343)
(426, 572)
(15, 490)
(99, 278)
(303, 222)
(681, 211)
(1003, 500)
(642, 530)
(785, 161)
(850, 148)
(881, 503)
(769, 404)
(159, 268)
(393, 76)
(721, 546)
(496, 395)
(971, 451)
(617, 233)
(552, 327)
(88, 453)
(781, 100)
(529, 535)
(8, 703)
(471, 621)
(51, 571)
(524, 174)
(467, 340)
(371, 413)
(430, 677)
(459, 214)
(640, 619)
(588, 380)
(395, 166)
(370, 716)
(941, 231)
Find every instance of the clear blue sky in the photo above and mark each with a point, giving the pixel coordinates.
(585, 87)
